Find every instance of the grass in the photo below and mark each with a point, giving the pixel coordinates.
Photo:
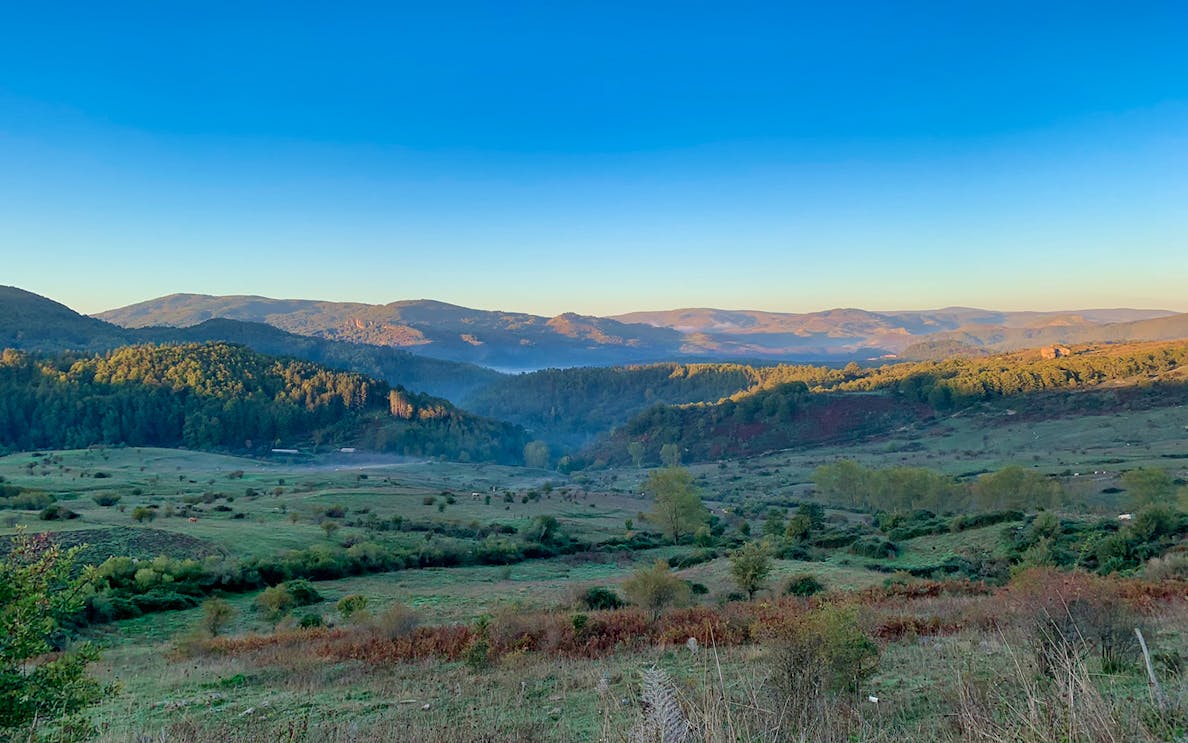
(920, 683)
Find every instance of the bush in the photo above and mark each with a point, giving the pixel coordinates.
(57, 513)
(477, 655)
(140, 514)
(1172, 566)
(310, 621)
(817, 654)
(106, 500)
(303, 592)
(597, 598)
(397, 621)
(216, 615)
(656, 588)
(873, 547)
(274, 602)
(23, 500)
(803, 584)
(350, 606)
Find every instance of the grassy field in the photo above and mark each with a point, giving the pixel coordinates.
(206, 504)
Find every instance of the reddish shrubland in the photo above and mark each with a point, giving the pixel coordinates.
(887, 613)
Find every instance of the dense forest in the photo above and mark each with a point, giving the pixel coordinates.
(223, 396)
(569, 407)
(805, 405)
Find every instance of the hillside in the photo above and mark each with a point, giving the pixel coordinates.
(807, 406)
(569, 407)
(32, 322)
(515, 340)
(499, 339)
(227, 397)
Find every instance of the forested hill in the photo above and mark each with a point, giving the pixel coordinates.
(30, 321)
(449, 379)
(570, 407)
(34, 323)
(797, 405)
(227, 397)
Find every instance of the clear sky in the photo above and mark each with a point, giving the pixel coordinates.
(598, 157)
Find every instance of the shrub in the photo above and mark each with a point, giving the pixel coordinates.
(1172, 566)
(106, 499)
(817, 654)
(397, 621)
(39, 587)
(140, 514)
(216, 615)
(274, 602)
(310, 621)
(750, 566)
(656, 588)
(23, 500)
(477, 655)
(873, 547)
(350, 606)
(57, 513)
(803, 584)
(303, 592)
(597, 598)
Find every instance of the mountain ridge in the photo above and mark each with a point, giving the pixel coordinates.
(523, 341)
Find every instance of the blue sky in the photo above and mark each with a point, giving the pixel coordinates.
(599, 157)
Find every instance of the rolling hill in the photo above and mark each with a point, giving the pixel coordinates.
(34, 323)
(510, 340)
(520, 341)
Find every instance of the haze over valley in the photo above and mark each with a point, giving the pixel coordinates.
(535, 372)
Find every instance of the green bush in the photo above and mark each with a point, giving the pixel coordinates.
(350, 606)
(597, 598)
(873, 547)
(803, 584)
(106, 500)
(57, 513)
(303, 592)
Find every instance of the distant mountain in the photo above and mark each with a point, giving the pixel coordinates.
(31, 322)
(518, 341)
(492, 338)
(34, 323)
(849, 333)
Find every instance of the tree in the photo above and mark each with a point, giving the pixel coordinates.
(677, 508)
(216, 615)
(750, 565)
(1015, 487)
(38, 591)
(670, 455)
(1149, 487)
(774, 525)
(656, 588)
(536, 454)
(636, 450)
(329, 527)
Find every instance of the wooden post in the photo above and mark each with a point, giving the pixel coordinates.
(1156, 691)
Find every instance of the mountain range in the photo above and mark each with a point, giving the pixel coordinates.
(31, 322)
(519, 341)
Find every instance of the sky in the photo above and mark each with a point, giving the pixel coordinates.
(598, 157)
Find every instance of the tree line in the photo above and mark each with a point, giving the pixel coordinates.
(227, 397)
